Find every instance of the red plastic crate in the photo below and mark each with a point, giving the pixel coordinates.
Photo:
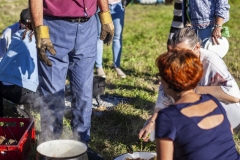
(21, 129)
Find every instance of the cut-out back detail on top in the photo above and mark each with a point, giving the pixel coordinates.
(190, 140)
(211, 121)
(207, 117)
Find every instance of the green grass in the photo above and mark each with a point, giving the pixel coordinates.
(145, 35)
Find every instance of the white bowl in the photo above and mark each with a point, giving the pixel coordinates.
(143, 155)
(220, 49)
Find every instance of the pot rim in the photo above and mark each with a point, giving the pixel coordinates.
(63, 140)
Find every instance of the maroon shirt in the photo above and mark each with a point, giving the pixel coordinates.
(69, 8)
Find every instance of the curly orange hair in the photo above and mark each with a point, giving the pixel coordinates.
(180, 68)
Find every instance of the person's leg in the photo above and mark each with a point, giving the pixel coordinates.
(99, 45)
(204, 34)
(24, 99)
(99, 58)
(117, 12)
(100, 71)
(81, 64)
(11, 93)
(177, 23)
(29, 101)
(52, 79)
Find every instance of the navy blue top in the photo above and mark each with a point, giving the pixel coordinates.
(190, 141)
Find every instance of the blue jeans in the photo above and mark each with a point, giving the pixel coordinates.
(117, 12)
(75, 45)
(204, 34)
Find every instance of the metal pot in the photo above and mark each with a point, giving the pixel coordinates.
(63, 149)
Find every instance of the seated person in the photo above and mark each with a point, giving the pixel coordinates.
(216, 80)
(195, 126)
(18, 69)
(6, 37)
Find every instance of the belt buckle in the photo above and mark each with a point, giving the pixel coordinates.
(79, 20)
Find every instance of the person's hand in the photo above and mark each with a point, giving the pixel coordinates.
(216, 34)
(144, 133)
(107, 28)
(44, 43)
(188, 24)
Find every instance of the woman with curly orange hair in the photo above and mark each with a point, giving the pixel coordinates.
(195, 126)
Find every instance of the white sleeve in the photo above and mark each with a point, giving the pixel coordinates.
(163, 100)
(232, 90)
(7, 35)
(218, 75)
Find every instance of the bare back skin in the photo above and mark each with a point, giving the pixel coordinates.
(201, 110)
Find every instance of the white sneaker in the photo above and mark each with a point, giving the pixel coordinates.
(120, 72)
(100, 72)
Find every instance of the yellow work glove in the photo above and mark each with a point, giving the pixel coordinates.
(44, 43)
(107, 28)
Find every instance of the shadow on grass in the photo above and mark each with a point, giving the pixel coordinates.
(134, 73)
(117, 127)
(136, 100)
(114, 129)
(128, 87)
(130, 71)
(111, 132)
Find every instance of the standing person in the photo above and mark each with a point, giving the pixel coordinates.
(216, 80)
(66, 38)
(9, 31)
(117, 11)
(177, 22)
(195, 126)
(207, 17)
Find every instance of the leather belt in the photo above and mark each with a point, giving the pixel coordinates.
(70, 19)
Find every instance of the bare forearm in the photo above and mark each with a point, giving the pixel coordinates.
(217, 92)
(154, 116)
(36, 10)
(103, 5)
(219, 20)
(164, 148)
